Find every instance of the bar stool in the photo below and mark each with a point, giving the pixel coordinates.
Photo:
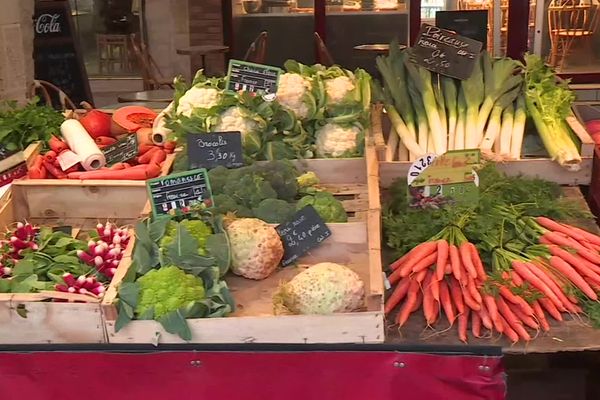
(113, 50)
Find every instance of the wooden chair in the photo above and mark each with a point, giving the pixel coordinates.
(48, 92)
(151, 75)
(257, 52)
(323, 55)
(570, 21)
(113, 50)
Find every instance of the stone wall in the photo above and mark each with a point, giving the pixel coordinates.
(16, 49)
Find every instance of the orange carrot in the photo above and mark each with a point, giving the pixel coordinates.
(442, 258)
(590, 237)
(105, 140)
(394, 266)
(170, 146)
(477, 262)
(57, 145)
(476, 324)
(527, 319)
(158, 157)
(492, 308)
(573, 259)
(425, 262)
(55, 172)
(561, 241)
(467, 262)
(523, 270)
(36, 173)
(455, 262)
(419, 301)
(516, 278)
(573, 276)
(546, 277)
(118, 166)
(144, 148)
(473, 290)
(509, 332)
(486, 320)
(446, 302)
(456, 294)
(469, 301)
(147, 156)
(50, 156)
(517, 300)
(434, 285)
(541, 317)
(428, 301)
(415, 255)
(512, 319)
(463, 320)
(152, 170)
(448, 269)
(555, 226)
(397, 295)
(420, 276)
(549, 306)
(409, 304)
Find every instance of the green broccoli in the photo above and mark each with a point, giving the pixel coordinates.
(218, 177)
(167, 289)
(282, 177)
(274, 211)
(198, 229)
(225, 204)
(328, 207)
(249, 190)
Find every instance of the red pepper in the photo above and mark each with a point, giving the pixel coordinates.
(55, 172)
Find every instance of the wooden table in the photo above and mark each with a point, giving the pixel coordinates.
(379, 48)
(156, 106)
(147, 96)
(202, 51)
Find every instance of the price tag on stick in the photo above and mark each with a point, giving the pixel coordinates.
(179, 191)
(209, 150)
(123, 150)
(445, 52)
(303, 232)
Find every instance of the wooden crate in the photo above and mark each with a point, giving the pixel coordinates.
(59, 204)
(355, 244)
(544, 168)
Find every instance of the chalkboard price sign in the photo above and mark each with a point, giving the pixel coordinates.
(254, 78)
(209, 150)
(305, 231)
(445, 52)
(179, 191)
(124, 150)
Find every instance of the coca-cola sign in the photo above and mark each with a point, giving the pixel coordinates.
(48, 23)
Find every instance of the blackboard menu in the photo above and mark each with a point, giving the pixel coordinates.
(125, 149)
(446, 53)
(468, 23)
(209, 150)
(254, 78)
(305, 231)
(179, 191)
(57, 57)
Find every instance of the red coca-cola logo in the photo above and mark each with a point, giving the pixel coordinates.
(48, 23)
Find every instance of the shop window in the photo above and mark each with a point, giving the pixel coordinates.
(104, 28)
(569, 38)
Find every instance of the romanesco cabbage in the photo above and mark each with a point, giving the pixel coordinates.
(167, 289)
(198, 229)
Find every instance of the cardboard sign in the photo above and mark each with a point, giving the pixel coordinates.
(450, 179)
(468, 23)
(446, 53)
(303, 232)
(125, 149)
(179, 191)
(254, 78)
(209, 150)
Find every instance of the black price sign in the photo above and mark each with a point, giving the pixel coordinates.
(305, 231)
(124, 150)
(445, 52)
(209, 150)
(179, 191)
(254, 78)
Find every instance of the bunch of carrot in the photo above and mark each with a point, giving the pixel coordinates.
(513, 294)
(146, 165)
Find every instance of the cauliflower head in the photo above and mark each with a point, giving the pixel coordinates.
(335, 140)
(167, 289)
(256, 248)
(198, 97)
(235, 119)
(198, 229)
(338, 88)
(293, 92)
(327, 206)
(324, 288)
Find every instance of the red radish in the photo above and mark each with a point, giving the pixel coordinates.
(96, 123)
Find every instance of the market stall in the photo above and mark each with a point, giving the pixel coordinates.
(306, 206)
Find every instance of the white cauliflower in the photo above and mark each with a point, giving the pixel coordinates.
(338, 88)
(321, 289)
(198, 97)
(233, 119)
(334, 140)
(291, 93)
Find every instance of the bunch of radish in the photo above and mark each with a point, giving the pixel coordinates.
(23, 237)
(82, 285)
(105, 253)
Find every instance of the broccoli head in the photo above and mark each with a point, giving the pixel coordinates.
(218, 177)
(198, 229)
(328, 207)
(274, 211)
(225, 204)
(167, 289)
(249, 190)
(281, 175)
